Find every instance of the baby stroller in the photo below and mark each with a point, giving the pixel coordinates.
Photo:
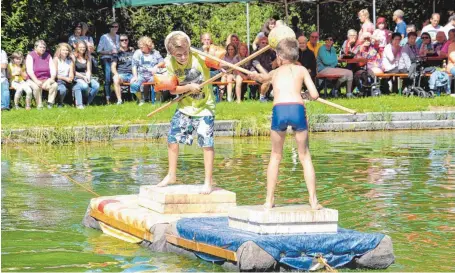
(366, 84)
(416, 72)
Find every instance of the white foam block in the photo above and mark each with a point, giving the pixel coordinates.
(284, 219)
(185, 194)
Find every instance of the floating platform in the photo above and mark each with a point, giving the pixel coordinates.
(208, 236)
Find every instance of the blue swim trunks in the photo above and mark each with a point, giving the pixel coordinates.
(289, 114)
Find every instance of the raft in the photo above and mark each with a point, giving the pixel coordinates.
(208, 236)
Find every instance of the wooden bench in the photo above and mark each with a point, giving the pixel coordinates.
(326, 78)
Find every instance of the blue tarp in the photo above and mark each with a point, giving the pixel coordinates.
(296, 250)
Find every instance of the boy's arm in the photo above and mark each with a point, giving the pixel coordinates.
(309, 83)
(262, 77)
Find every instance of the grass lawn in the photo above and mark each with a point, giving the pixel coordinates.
(250, 113)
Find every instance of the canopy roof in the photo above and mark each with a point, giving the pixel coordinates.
(137, 3)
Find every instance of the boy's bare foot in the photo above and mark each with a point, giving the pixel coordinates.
(314, 204)
(169, 179)
(269, 203)
(207, 188)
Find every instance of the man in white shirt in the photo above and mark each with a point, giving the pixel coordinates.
(433, 28)
(4, 81)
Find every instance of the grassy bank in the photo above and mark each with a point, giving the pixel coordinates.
(251, 113)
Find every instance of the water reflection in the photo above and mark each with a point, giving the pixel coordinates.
(398, 183)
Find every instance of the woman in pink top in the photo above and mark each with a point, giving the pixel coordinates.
(445, 48)
(232, 57)
(41, 72)
(382, 34)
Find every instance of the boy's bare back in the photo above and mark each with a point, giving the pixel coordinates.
(287, 83)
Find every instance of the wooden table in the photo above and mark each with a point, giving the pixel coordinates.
(353, 60)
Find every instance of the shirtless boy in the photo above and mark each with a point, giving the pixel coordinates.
(289, 110)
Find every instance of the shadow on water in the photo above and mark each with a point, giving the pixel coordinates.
(398, 183)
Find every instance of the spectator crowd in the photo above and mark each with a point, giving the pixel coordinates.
(71, 74)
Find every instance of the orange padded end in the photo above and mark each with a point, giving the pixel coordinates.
(165, 82)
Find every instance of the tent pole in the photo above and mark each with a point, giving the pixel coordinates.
(374, 12)
(434, 6)
(248, 26)
(287, 13)
(113, 13)
(317, 16)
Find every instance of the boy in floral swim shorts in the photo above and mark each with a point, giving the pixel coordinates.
(195, 112)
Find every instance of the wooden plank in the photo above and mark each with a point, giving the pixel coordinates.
(143, 234)
(201, 247)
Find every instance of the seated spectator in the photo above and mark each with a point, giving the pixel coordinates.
(451, 60)
(232, 57)
(108, 46)
(426, 48)
(347, 49)
(306, 56)
(4, 81)
(76, 37)
(206, 41)
(440, 42)
(65, 70)
(409, 28)
(264, 63)
(243, 53)
(382, 34)
(146, 62)
(18, 77)
(450, 25)
(327, 65)
(445, 48)
(367, 51)
(392, 55)
(295, 26)
(398, 16)
(86, 85)
(41, 72)
(367, 25)
(122, 66)
(314, 44)
(410, 51)
(265, 30)
(433, 28)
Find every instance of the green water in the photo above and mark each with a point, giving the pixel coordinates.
(398, 183)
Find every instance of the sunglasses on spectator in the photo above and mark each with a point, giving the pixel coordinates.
(329, 39)
(123, 40)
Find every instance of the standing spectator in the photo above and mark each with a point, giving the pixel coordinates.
(410, 51)
(76, 37)
(84, 79)
(41, 71)
(108, 46)
(18, 77)
(65, 70)
(382, 34)
(122, 66)
(367, 25)
(295, 26)
(306, 56)
(85, 37)
(146, 62)
(450, 25)
(4, 81)
(347, 49)
(433, 28)
(264, 63)
(314, 44)
(327, 65)
(232, 57)
(426, 48)
(445, 48)
(265, 30)
(398, 16)
(367, 51)
(233, 39)
(440, 42)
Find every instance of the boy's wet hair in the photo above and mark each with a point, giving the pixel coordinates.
(177, 41)
(288, 49)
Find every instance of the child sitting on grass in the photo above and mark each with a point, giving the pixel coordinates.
(289, 110)
(18, 77)
(195, 112)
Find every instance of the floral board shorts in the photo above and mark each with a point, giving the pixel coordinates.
(182, 127)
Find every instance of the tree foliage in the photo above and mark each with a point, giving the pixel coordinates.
(25, 21)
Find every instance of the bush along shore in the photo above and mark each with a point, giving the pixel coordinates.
(250, 118)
